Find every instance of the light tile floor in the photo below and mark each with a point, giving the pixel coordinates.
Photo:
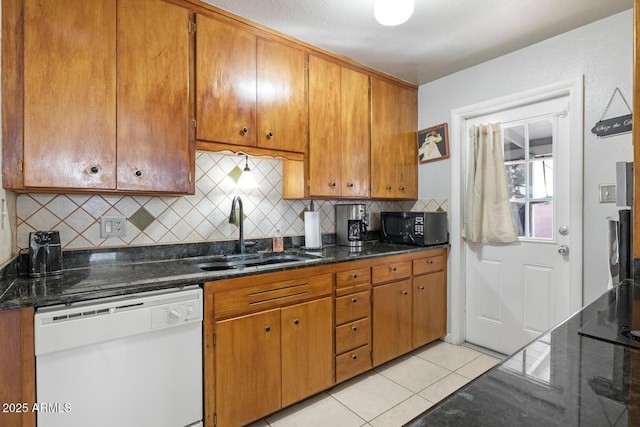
(391, 394)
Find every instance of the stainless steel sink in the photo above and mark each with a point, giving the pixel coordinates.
(239, 262)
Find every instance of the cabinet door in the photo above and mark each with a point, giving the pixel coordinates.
(391, 320)
(429, 308)
(407, 148)
(394, 158)
(282, 97)
(225, 83)
(247, 360)
(355, 133)
(154, 118)
(70, 94)
(325, 131)
(307, 349)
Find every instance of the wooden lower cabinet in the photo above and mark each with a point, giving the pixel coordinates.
(18, 367)
(392, 321)
(409, 303)
(307, 356)
(429, 308)
(248, 369)
(268, 359)
(274, 339)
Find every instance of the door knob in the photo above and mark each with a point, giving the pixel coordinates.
(564, 230)
(563, 250)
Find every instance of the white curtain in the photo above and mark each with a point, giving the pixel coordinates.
(487, 212)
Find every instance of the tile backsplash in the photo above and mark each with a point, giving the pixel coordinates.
(201, 217)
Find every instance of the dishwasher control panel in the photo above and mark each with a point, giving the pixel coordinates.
(173, 314)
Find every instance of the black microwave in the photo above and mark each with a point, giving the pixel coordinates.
(414, 228)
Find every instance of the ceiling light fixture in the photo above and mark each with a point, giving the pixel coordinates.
(247, 180)
(393, 12)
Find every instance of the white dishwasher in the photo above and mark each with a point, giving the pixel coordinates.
(133, 360)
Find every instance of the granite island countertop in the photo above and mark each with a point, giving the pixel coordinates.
(563, 378)
(104, 273)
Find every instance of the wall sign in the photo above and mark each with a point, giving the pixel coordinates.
(615, 125)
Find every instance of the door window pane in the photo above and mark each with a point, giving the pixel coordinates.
(514, 143)
(528, 155)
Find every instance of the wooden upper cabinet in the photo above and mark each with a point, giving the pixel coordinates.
(69, 94)
(338, 130)
(225, 83)
(108, 104)
(394, 149)
(325, 128)
(250, 91)
(281, 97)
(155, 147)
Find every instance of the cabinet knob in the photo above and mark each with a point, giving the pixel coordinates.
(332, 184)
(270, 134)
(355, 275)
(389, 187)
(354, 356)
(94, 169)
(421, 288)
(394, 269)
(354, 329)
(138, 173)
(244, 130)
(296, 322)
(430, 261)
(402, 188)
(267, 329)
(350, 184)
(354, 300)
(405, 293)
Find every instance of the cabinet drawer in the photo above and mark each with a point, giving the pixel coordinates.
(428, 265)
(271, 295)
(353, 335)
(392, 271)
(353, 307)
(352, 277)
(353, 363)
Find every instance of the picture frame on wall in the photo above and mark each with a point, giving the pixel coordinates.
(433, 143)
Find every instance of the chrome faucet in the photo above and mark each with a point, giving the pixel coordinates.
(232, 220)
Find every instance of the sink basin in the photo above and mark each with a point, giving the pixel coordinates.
(242, 261)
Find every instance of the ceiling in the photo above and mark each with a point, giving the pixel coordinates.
(442, 36)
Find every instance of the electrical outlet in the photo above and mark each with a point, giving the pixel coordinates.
(113, 227)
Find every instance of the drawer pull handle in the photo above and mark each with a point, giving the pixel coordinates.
(354, 356)
(354, 300)
(421, 288)
(430, 261)
(354, 329)
(244, 130)
(94, 169)
(267, 329)
(269, 134)
(394, 269)
(355, 275)
(405, 293)
(296, 322)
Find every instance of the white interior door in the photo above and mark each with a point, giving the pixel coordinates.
(517, 291)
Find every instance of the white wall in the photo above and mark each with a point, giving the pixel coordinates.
(603, 53)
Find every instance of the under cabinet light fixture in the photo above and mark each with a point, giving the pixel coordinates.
(247, 180)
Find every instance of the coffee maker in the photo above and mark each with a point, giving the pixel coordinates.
(351, 225)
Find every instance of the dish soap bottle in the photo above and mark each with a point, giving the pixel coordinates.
(278, 242)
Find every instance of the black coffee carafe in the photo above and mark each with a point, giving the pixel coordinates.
(45, 253)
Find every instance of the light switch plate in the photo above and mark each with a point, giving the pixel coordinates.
(607, 193)
(113, 227)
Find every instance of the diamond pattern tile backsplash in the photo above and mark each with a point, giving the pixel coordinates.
(189, 219)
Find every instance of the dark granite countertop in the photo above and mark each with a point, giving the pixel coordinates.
(562, 378)
(105, 273)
